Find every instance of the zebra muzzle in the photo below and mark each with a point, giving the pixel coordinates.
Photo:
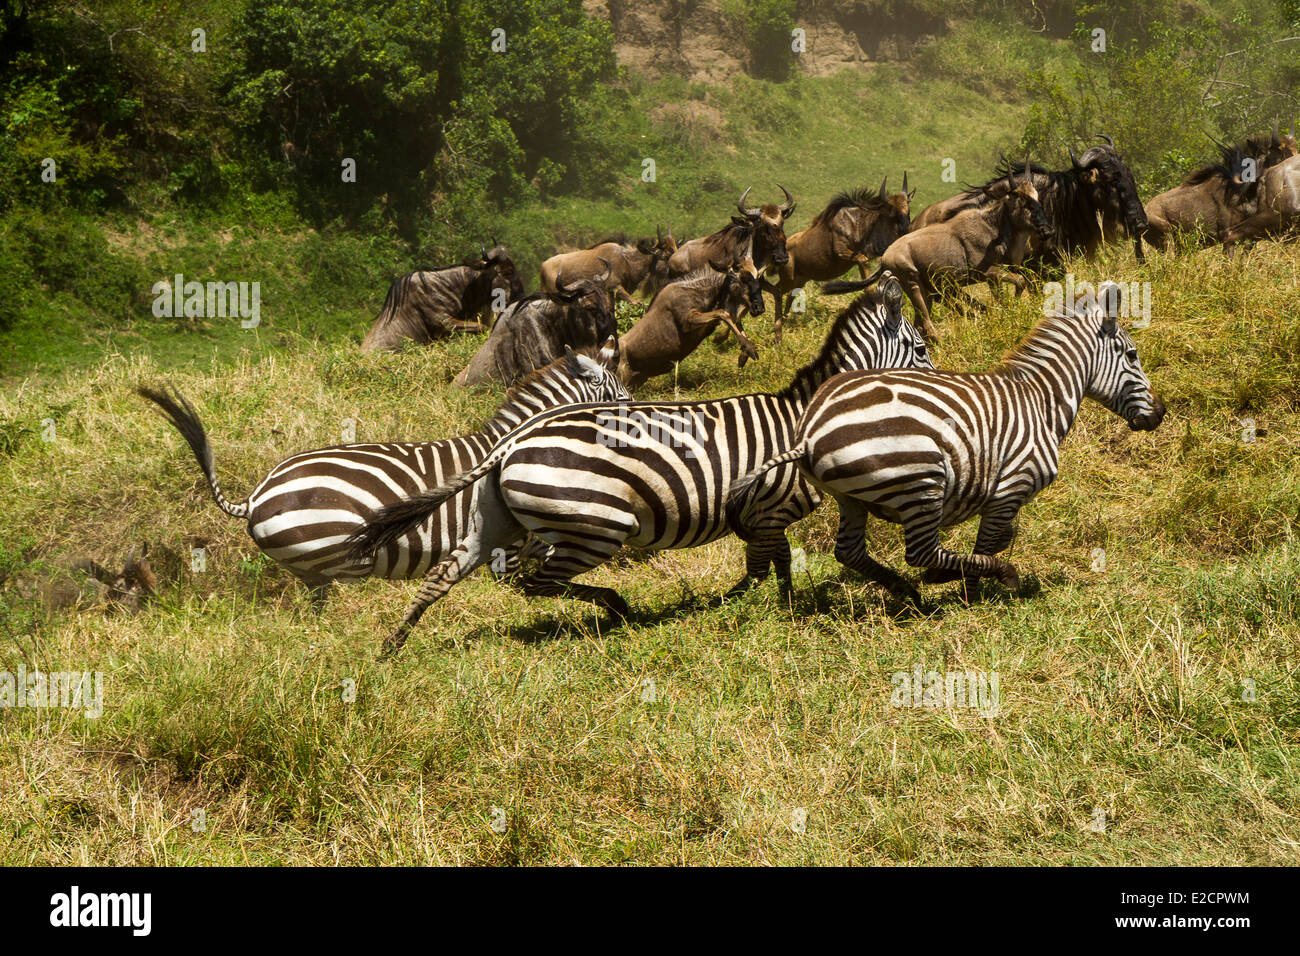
(1149, 421)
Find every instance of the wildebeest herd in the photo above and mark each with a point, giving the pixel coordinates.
(570, 469)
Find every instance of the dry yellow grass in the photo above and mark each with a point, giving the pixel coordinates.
(760, 731)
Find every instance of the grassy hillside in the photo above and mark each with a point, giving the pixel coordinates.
(1148, 711)
(1121, 691)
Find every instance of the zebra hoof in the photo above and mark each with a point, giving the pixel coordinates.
(1009, 578)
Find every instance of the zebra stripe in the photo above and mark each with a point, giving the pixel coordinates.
(655, 475)
(301, 514)
(931, 449)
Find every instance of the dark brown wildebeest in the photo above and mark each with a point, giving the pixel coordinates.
(680, 317)
(1097, 185)
(758, 232)
(1279, 202)
(433, 303)
(1217, 196)
(855, 227)
(973, 245)
(632, 265)
(533, 332)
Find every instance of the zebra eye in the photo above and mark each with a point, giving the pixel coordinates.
(1131, 355)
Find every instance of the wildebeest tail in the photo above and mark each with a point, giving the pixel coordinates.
(186, 420)
(391, 522)
(840, 286)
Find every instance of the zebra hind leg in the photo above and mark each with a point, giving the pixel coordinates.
(565, 562)
(761, 555)
(921, 532)
(851, 551)
(492, 528)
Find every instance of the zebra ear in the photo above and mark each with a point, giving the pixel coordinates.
(1111, 299)
(609, 353)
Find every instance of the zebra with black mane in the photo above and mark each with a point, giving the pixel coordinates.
(301, 513)
(930, 449)
(652, 475)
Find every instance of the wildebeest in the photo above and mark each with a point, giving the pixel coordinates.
(631, 265)
(855, 227)
(1097, 185)
(1279, 202)
(680, 317)
(535, 330)
(758, 233)
(1217, 196)
(432, 303)
(974, 244)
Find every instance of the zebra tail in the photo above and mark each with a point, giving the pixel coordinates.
(391, 522)
(182, 415)
(741, 488)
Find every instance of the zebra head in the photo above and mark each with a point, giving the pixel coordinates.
(1118, 381)
(873, 332)
(594, 378)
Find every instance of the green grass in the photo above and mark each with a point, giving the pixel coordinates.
(1121, 691)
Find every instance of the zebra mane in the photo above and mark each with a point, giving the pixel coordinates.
(846, 325)
(1034, 344)
(517, 401)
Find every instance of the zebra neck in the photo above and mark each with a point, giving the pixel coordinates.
(1055, 362)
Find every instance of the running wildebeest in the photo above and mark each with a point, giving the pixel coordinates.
(855, 227)
(758, 232)
(632, 265)
(1279, 203)
(1097, 185)
(535, 330)
(975, 244)
(433, 303)
(1217, 196)
(682, 315)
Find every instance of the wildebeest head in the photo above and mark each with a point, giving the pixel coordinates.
(1026, 211)
(897, 223)
(1110, 186)
(740, 287)
(768, 225)
(502, 268)
(591, 295)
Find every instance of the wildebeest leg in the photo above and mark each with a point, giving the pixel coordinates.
(912, 284)
(1259, 224)
(566, 561)
(695, 319)
(491, 527)
(463, 325)
(851, 551)
(621, 293)
(921, 532)
(863, 261)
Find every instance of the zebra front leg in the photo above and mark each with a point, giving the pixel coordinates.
(491, 528)
(851, 551)
(565, 562)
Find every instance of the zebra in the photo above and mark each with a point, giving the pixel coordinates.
(303, 511)
(931, 449)
(652, 475)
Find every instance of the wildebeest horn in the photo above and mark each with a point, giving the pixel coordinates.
(789, 201)
(482, 252)
(659, 232)
(604, 275)
(1109, 142)
(905, 181)
(494, 242)
(1074, 160)
(881, 194)
(740, 204)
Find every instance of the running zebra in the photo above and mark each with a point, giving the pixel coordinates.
(931, 449)
(654, 475)
(303, 511)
